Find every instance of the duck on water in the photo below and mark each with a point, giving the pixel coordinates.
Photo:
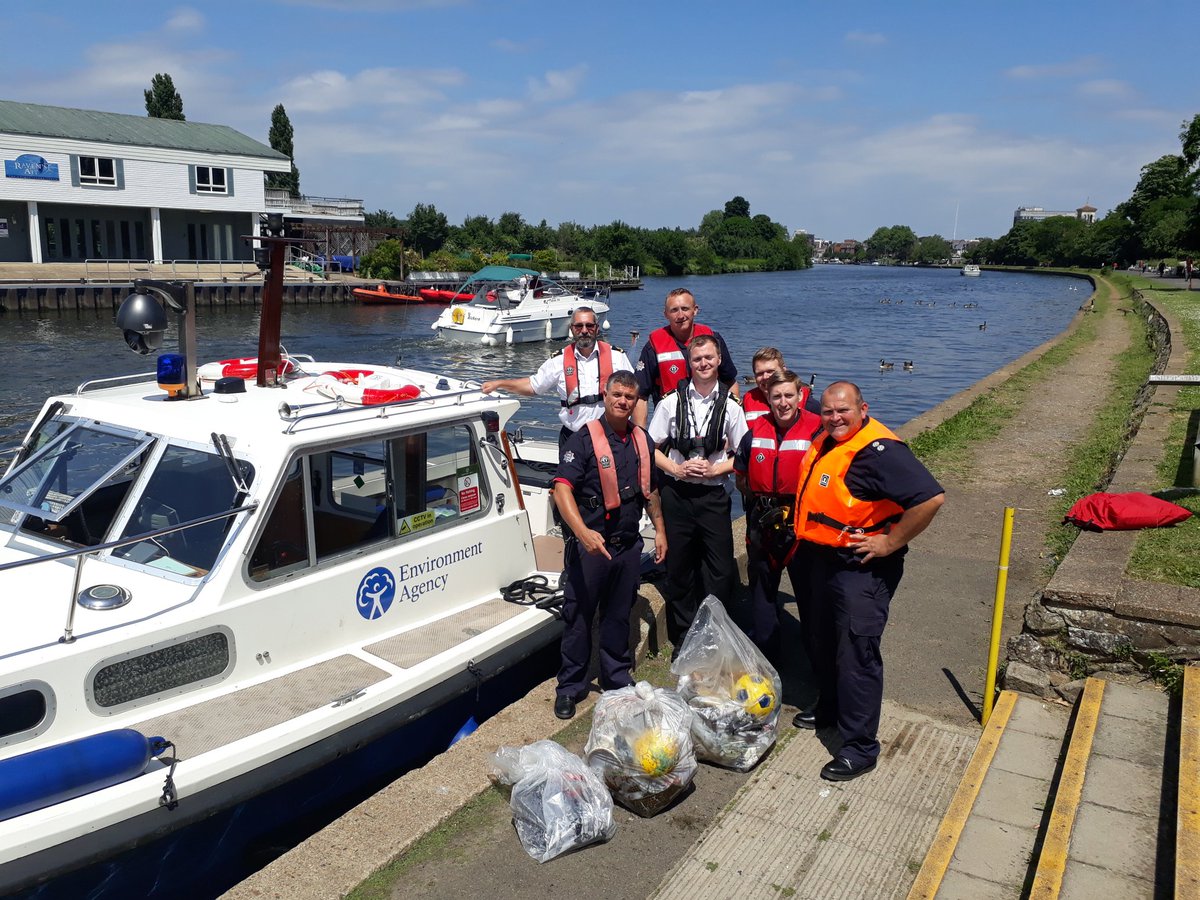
(215, 586)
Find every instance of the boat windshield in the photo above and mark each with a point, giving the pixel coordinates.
(72, 460)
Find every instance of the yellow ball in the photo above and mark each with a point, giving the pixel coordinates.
(656, 753)
(756, 694)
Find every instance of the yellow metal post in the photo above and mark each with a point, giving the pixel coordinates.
(989, 688)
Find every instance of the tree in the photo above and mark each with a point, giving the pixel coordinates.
(427, 228)
(280, 138)
(896, 242)
(931, 250)
(738, 207)
(1189, 137)
(381, 218)
(162, 100)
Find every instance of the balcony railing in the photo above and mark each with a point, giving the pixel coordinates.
(324, 206)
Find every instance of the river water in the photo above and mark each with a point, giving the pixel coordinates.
(829, 321)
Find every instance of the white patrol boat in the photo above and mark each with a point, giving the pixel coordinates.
(509, 305)
(209, 594)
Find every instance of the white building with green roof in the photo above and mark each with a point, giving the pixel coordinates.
(80, 184)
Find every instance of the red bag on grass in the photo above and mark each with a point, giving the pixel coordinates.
(1124, 512)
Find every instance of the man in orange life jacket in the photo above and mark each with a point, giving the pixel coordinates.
(767, 464)
(605, 478)
(577, 373)
(766, 363)
(664, 359)
(696, 428)
(862, 496)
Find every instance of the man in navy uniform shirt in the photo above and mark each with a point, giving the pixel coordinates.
(861, 497)
(605, 477)
(664, 359)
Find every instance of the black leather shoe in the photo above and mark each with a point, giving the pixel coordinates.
(564, 707)
(806, 718)
(841, 769)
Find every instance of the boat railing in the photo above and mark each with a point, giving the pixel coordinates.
(81, 552)
(291, 414)
(96, 384)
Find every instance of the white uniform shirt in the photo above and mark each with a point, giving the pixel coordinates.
(550, 378)
(662, 426)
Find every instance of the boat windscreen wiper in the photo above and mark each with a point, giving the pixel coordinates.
(223, 450)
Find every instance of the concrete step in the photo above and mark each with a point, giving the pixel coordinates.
(1103, 803)
(990, 830)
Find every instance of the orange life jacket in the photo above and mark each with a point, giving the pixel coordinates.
(755, 405)
(774, 467)
(606, 467)
(571, 375)
(826, 510)
(672, 361)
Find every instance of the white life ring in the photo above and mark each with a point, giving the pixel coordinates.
(239, 368)
(364, 387)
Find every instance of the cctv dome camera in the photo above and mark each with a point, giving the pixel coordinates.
(142, 321)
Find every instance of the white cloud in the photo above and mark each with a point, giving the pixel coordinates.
(866, 38)
(558, 84)
(507, 45)
(1107, 89)
(329, 89)
(1075, 68)
(184, 19)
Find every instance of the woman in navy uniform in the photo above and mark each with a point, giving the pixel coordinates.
(605, 478)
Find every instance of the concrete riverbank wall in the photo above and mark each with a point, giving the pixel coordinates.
(46, 297)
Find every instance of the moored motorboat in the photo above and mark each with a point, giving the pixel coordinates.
(971, 270)
(251, 580)
(382, 296)
(509, 305)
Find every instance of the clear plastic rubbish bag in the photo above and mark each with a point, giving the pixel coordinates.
(558, 803)
(734, 693)
(641, 746)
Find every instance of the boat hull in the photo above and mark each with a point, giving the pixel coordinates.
(56, 862)
(385, 298)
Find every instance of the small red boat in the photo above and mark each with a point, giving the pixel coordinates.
(432, 295)
(381, 296)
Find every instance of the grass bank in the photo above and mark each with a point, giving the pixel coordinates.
(1172, 555)
(948, 449)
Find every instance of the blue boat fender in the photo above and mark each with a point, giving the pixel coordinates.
(52, 775)
(468, 727)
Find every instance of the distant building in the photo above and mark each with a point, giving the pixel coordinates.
(1085, 213)
(81, 184)
(846, 248)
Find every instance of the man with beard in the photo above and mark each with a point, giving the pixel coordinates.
(577, 373)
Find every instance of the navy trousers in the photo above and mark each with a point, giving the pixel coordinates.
(849, 608)
(762, 617)
(699, 551)
(610, 586)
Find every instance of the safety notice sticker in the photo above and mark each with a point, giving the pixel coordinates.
(468, 494)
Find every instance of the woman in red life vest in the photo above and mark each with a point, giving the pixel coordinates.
(767, 464)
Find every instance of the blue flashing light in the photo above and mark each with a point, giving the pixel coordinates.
(171, 373)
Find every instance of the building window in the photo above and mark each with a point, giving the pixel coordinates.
(97, 170)
(210, 180)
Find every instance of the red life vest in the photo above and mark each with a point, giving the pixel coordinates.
(609, 489)
(672, 357)
(774, 466)
(571, 375)
(826, 510)
(755, 405)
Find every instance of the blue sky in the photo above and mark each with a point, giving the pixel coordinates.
(833, 118)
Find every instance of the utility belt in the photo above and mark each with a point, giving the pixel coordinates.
(589, 400)
(627, 495)
(773, 511)
(822, 519)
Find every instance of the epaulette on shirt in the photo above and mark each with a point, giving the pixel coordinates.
(558, 352)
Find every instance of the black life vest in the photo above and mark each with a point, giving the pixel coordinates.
(684, 441)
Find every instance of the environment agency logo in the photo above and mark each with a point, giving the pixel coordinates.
(376, 592)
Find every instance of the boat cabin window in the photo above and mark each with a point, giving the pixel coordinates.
(368, 494)
(73, 484)
(186, 484)
(188, 663)
(26, 710)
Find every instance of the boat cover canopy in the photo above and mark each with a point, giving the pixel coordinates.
(501, 273)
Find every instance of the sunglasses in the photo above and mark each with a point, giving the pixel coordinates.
(585, 326)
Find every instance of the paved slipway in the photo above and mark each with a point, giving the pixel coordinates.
(781, 831)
